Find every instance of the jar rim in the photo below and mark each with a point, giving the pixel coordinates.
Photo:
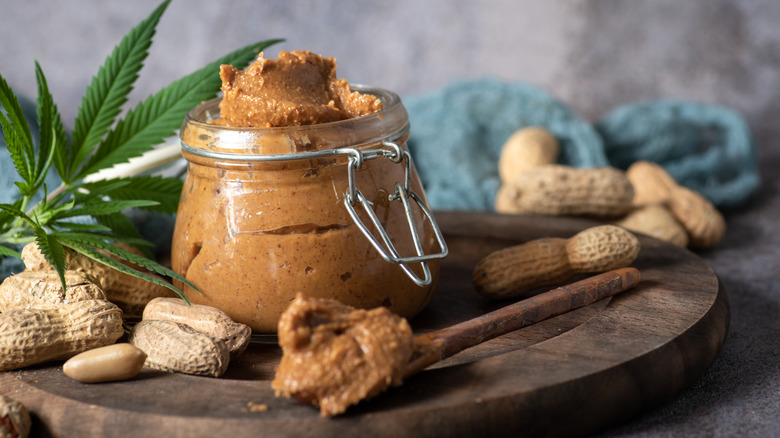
(390, 122)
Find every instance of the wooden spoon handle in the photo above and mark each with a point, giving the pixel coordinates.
(435, 346)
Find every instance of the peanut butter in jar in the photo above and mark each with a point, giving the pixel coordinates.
(269, 211)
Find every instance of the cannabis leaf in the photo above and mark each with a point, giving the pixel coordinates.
(108, 92)
(88, 217)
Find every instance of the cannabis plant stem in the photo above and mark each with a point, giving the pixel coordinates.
(56, 192)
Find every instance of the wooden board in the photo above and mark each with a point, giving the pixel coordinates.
(571, 375)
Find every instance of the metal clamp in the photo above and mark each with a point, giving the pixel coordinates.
(403, 192)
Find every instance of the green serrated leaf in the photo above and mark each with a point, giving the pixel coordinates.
(52, 133)
(46, 214)
(77, 226)
(16, 119)
(101, 187)
(53, 251)
(103, 208)
(16, 211)
(139, 261)
(158, 117)
(17, 147)
(9, 252)
(87, 192)
(54, 200)
(5, 217)
(98, 239)
(166, 191)
(122, 227)
(110, 262)
(108, 91)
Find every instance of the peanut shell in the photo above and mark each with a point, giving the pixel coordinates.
(518, 269)
(526, 148)
(38, 289)
(15, 419)
(175, 347)
(130, 293)
(204, 319)
(562, 190)
(33, 336)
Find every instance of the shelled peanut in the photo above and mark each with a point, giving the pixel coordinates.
(111, 363)
(703, 222)
(131, 294)
(512, 271)
(175, 347)
(15, 419)
(33, 336)
(204, 319)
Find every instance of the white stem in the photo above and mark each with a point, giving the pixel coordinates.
(135, 166)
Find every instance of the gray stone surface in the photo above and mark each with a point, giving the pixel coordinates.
(593, 55)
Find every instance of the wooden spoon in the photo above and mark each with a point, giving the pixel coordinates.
(441, 344)
(300, 375)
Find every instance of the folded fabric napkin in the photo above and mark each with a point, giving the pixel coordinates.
(457, 134)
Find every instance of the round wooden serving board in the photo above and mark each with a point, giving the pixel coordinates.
(571, 375)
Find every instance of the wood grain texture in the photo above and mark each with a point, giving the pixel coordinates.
(570, 375)
(433, 347)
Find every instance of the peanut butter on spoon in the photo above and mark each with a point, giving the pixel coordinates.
(334, 356)
(297, 88)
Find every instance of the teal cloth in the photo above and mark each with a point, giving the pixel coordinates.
(707, 148)
(457, 134)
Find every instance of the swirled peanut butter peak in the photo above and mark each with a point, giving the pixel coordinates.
(297, 88)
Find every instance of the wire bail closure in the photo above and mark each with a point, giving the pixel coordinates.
(403, 192)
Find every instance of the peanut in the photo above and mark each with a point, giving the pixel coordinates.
(512, 271)
(129, 293)
(652, 184)
(505, 199)
(526, 148)
(564, 190)
(37, 289)
(171, 346)
(657, 221)
(15, 419)
(703, 222)
(105, 364)
(32, 336)
(204, 319)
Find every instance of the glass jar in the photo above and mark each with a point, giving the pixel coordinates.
(333, 210)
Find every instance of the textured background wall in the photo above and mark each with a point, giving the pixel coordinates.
(592, 54)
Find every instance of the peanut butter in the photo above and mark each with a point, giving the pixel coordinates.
(298, 88)
(335, 355)
(253, 234)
